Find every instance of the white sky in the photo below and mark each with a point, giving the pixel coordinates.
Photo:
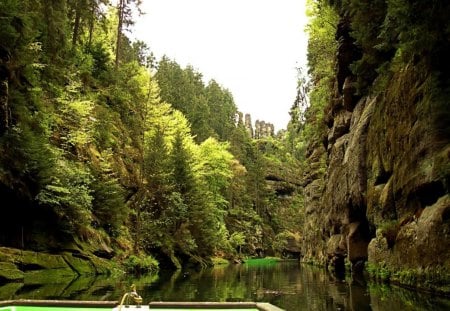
(250, 47)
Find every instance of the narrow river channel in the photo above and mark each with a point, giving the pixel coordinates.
(289, 285)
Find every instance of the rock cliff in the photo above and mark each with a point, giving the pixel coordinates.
(40, 267)
(384, 200)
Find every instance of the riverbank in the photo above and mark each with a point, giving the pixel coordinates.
(40, 267)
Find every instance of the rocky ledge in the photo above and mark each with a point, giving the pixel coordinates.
(31, 267)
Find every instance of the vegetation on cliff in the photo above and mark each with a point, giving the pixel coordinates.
(106, 151)
(376, 182)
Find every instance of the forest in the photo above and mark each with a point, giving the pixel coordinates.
(105, 148)
(108, 152)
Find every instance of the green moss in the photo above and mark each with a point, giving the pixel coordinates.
(9, 271)
(435, 279)
(106, 267)
(406, 277)
(16, 264)
(80, 266)
(262, 261)
(379, 272)
(219, 261)
(9, 290)
(33, 267)
(140, 265)
(5, 254)
(43, 260)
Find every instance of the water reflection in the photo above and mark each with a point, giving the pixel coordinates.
(288, 285)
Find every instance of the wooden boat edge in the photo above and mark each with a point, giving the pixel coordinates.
(160, 304)
(59, 303)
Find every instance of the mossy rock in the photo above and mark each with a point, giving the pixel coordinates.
(9, 272)
(69, 264)
(31, 259)
(82, 266)
(36, 261)
(5, 255)
(106, 267)
(92, 265)
(9, 290)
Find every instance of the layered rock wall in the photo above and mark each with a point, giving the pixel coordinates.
(38, 267)
(385, 196)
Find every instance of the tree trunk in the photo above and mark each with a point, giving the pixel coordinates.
(91, 24)
(121, 7)
(76, 25)
(5, 113)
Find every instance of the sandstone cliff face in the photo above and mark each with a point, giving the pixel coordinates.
(408, 200)
(385, 196)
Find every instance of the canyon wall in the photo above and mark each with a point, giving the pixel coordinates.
(383, 202)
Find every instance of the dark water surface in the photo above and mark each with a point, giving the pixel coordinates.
(287, 284)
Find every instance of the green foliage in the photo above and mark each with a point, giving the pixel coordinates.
(415, 28)
(124, 20)
(106, 149)
(181, 162)
(184, 186)
(307, 116)
(290, 216)
(393, 31)
(100, 59)
(140, 265)
(158, 189)
(366, 18)
(214, 165)
(213, 168)
(431, 278)
(49, 144)
(261, 261)
(251, 209)
(108, 197)
(281, 241)
(222, 110)
(237, 239)
(241, 217)
(67, 192)
(218, 261)
(210, 109)
(321, 43)
(379, 271)
(74, 124)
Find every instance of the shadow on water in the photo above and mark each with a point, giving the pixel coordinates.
(286, 284)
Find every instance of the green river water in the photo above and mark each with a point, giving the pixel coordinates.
(289, 285)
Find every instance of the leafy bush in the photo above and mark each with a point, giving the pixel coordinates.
(139, 265)
(379, 271)
(68, 194)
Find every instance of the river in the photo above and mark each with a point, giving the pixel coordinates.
(289, 285)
